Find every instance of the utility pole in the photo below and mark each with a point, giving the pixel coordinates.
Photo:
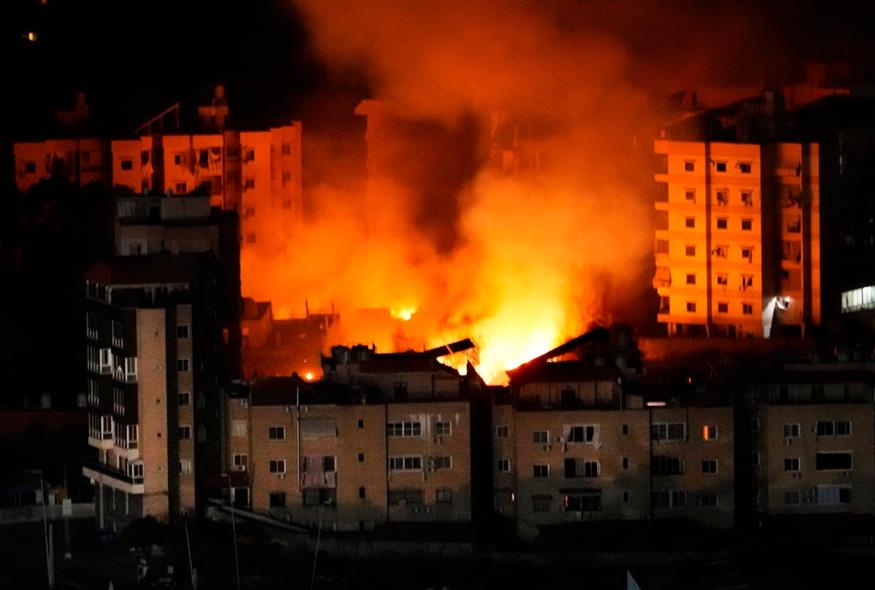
(234, 528)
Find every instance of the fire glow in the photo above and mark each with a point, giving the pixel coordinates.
(498, 205)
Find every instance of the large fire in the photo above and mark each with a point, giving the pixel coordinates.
(507, 197)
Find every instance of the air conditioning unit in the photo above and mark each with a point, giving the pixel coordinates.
(281, 476)
(547, 447)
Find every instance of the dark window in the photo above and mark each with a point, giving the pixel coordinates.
(690, 250)
(746, 224)
(567, 397)
(691, 279)
(691, 306)
(625, 429)
(625, 462)
(721, 166)
(833, 461)
(722, 223)
(277, 499)
(690, 222)
(361, 423)
(362, 493)
(667, 466)
(127, 164)
(361, 457)
(689, 166)
(745, 167)
(722, 308)
(328, 463)
(29, 167)
(182, 331)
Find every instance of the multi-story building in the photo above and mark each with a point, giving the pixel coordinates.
(157, 347)
(254, 172)
(813, 440)
(759, 214)
(737, 244)
(383, 439)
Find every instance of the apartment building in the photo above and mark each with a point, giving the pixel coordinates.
(692, 463)
(812, 429)
(383, 439)
(79, 160)
(256, 173)
(738, 238)
(155, 354)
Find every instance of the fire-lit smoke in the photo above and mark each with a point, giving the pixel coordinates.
(508, 176)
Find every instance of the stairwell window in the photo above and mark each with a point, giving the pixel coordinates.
(185, 432)
(540, 471)
(276, 433)
(277, 466)
(183, 365)
(792, 464)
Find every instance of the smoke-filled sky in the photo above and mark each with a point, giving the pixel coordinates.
(516, 254)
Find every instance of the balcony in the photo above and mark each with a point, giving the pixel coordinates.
(102, 474)
(100, 440)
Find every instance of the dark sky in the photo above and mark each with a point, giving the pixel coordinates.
(133, 56)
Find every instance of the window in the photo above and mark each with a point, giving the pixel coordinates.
(361, 457)
(669, 498)
(690, 250)
(184, 432)
(791, 431)
(722, 223)
(238, 428)
(136, 470)
(93, 393)
(668, 431)
(584, 501)
(287, 179)
(540, 470)
(501, 432)
(404, 429)
(443, 496)
(541, 437)
(329, 464)
(689, 165)
(276, 432)
(691, 279)
(842, 428)
(837, 461)
(722, 279)
(690, 195)
(361, 423)
(405, 463)
(747, 253)
(667, 465)
(583, 434)
(722, 197)
(722, 307)
(183, 398)
(709, 465)
(708, 500)
(442, 463)
(755, 459)
(625, 429)
(542, 503)
(442, 429)
(30, 167)
(709, 432)
(745, 167)
(286, 149)
(277, 466)
(118, 400)
(720, 166)
(747, 198)
(362, 493)
(590, 469)
(721, 251)
(180, 188)
(184, 466)
(178, 159)
(277, 499)
(183, 365)
(182, 331)
(792, 498)
(240, 462)
(689, 222)
(833, 495)
(833, 428)
(408, 497)
(503, 465)
(249, 183)
(625, 462)
(747, 308)
(578, 468)
(131, 369)
(91, 325)
(746, 224)
(127, 164)
(792, 464)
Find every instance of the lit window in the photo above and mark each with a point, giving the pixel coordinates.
(709, 432)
